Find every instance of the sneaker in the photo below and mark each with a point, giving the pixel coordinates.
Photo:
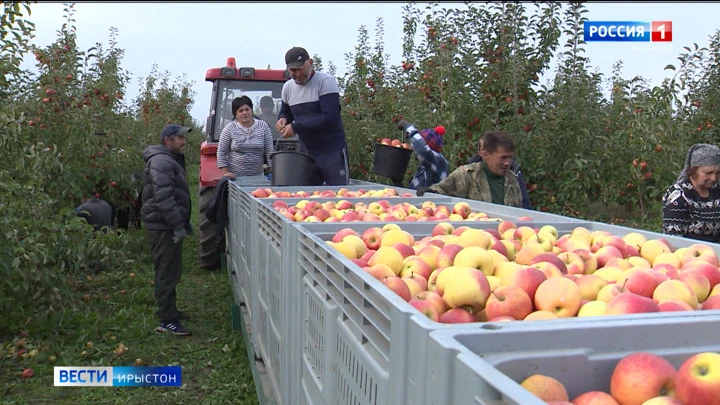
(173, 327)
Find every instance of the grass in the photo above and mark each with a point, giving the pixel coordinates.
(214, 362)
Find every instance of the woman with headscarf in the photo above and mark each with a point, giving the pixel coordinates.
(244, 143)
(691, 206)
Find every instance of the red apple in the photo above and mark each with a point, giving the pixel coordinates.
(426, 308)
(457, 315)
(508, 301)
(698, 380)
(641, 376)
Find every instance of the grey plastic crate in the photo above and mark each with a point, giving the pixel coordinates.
(368, 339)
(273, 283)
(383, 323)
(351, 187)
(487, 367)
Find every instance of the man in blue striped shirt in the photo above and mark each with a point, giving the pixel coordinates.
(311, 109)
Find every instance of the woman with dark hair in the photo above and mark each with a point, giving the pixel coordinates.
(691, 206)
(245, 142)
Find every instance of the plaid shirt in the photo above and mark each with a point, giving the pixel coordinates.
(433, 165)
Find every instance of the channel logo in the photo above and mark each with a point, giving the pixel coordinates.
(164, 376)
(627, 31)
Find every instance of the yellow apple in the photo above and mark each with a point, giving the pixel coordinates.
(559, 295)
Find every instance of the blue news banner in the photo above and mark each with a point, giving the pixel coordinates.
(159, 376)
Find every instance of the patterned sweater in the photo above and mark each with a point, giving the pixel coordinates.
(241, 149)
(433, 165)
(688, 215)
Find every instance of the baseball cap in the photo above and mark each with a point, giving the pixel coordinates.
(295, 57)
(173, 129)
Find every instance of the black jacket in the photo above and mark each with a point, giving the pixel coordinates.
(166, 194)
(217, 212)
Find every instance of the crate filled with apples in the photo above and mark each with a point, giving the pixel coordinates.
(382, 210)
(643, 362)
(368, 191)
(458, 274)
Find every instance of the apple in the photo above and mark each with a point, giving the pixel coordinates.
(528, 279)
(346, 249)
(360, 262)
(341, 234)
(668, 258)
(652, 249)
(674, 305)
(698, 380)
(504, 226)
(558, 295)
(404, 249)
(540, 315)
(638, 281)
(611, 274)
(446, 255)
(368, 254)
(398, 286)
(594, 398)
(545, 387)
(527, 253)
(697, 282)
(668, 270)
(426, 308)
(630, 303)
(711, 303)
(592, 308)
(457, 315)
(371, 237)
(549, 229)
(638, 261)
(416, 284)
(709, 270)
(443, 228)
(415, 265)
(588, 258)
(550, 258)
(590, 285)
(359, 244)
(700, 251)
(549, 269)
(475, 257)
(260, 193)
(429, 255)
(474, 237)
(635, 240)
(393, 236)
(641, 376)
(605, 253)
(574, 263)
(435, 299)
(675, 290)
(389, 256)
(379, 271)
(508, 301)
(462, 208)
(463, 286)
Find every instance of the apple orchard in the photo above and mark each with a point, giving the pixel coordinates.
(69, 131)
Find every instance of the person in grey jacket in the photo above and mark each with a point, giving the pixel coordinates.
(166, 213)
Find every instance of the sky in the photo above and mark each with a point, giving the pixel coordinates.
(189, 38)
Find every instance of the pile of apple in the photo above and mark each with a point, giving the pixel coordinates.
(264, 192)
(396, 143)
(516, 272)
(376, 211)
(643, 378)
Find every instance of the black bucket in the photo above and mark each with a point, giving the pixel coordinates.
(290, 168)
(391, 161)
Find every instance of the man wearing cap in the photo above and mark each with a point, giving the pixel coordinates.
(311, 109)
(691, 206)
(166, 212)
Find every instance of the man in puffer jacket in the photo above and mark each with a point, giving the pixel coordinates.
(166, 213)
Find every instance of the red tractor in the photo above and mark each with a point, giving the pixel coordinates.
(229, 82)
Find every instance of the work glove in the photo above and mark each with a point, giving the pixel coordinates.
(179, 235)
(408, 129)
(421, 191)
(189, 228)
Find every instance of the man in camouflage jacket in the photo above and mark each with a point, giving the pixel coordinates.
(490, 180)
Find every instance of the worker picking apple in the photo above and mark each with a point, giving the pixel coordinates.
(427, 145)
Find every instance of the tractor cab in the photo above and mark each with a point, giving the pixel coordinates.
(263, 87)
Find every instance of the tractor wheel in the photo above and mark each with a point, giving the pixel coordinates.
(210, 249)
